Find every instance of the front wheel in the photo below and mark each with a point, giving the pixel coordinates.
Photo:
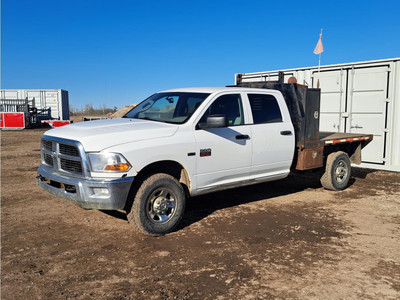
(158, 206)
(337, 171)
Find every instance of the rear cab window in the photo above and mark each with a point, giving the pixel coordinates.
(264, 108)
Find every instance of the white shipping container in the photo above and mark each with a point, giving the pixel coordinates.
(360, 97)
(51, 104)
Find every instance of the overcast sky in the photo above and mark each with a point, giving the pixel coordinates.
(119, 52)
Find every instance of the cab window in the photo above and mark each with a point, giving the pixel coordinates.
(265, 108)
(228, 105)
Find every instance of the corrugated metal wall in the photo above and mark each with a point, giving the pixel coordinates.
(360, 97)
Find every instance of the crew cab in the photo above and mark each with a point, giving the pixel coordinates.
(185, 142)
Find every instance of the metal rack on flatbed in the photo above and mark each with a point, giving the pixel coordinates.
(18, 113)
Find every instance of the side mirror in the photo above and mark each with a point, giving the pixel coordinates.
(214, 121)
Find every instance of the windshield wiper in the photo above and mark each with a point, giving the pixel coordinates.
(146, 118)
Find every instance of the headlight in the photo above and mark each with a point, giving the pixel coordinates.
(108, 162)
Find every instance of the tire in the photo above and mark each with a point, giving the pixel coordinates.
(337, 171)
(158, 205)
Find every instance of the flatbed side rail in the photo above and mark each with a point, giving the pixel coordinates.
(348, 140)
(313, 157)
(333, 138)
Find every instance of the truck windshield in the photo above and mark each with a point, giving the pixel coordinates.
(172, 107)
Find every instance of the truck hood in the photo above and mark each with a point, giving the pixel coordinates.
(102, 134)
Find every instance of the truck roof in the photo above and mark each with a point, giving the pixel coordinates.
(197, 89)
(211, 89)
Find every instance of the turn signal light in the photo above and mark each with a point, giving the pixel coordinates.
(117, 167)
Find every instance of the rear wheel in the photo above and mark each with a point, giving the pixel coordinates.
(158, 206)
(337, 171)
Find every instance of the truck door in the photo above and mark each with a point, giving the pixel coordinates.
(272, 135)
(223, 155)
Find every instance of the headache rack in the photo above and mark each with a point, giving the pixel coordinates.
(312, 146)
(303, 104)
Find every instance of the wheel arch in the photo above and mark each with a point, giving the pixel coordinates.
(353, 150)
(169, 167)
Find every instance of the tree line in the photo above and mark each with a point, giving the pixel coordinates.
(90, 110)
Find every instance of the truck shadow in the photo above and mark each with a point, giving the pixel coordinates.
(199, 207)
(361, 172)
(116, 214)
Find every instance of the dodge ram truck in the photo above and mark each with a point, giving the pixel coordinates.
(186, 142)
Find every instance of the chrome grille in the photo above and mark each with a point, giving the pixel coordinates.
(70, 165)
(69, 150)
(48, 145)
(63, 156)
(48, 159)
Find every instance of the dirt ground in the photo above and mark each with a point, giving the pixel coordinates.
(289, 239)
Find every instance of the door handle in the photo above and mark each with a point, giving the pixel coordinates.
(286, 132)
(356, 127)
(242, 137)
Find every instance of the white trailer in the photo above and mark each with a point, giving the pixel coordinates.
(50, 104)
(360, 97)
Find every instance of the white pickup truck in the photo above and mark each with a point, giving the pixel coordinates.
(186, 142)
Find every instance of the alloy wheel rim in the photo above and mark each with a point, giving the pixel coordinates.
(161, 206)
(341, 171)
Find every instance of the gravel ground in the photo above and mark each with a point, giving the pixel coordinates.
(289, 239)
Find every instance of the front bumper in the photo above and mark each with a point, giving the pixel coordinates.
(85, 192)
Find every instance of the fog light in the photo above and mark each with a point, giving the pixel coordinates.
(102, 192)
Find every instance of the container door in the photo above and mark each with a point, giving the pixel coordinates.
(367, 103)
(333, 85)
(52, 102)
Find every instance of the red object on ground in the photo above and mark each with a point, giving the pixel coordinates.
(56, 123)
(13, 120)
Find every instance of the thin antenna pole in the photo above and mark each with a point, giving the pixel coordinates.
(319, 64)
